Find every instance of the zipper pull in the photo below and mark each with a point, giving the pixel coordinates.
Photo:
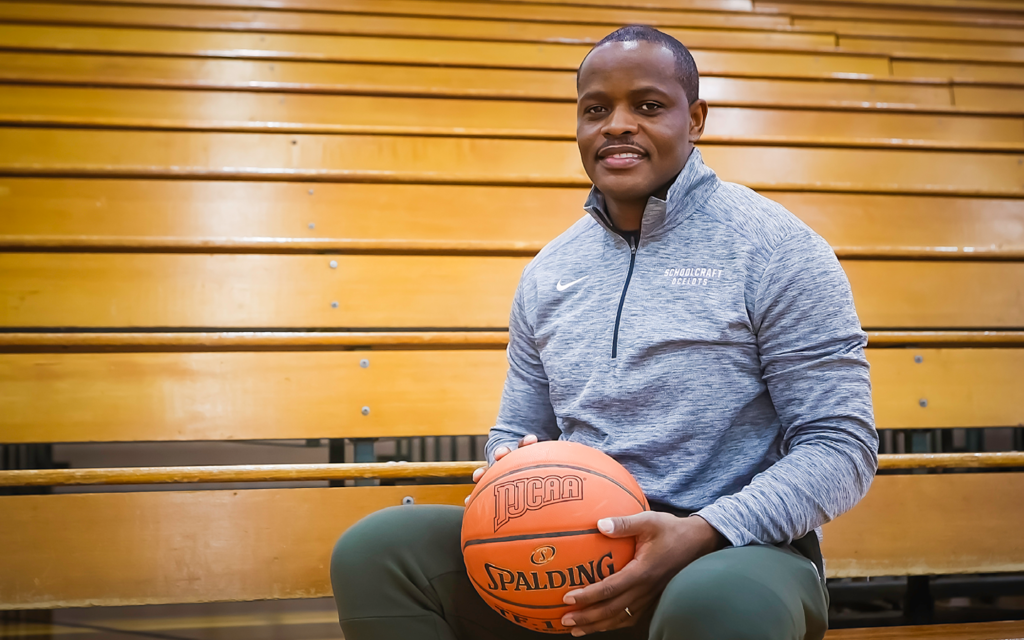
(632, 245)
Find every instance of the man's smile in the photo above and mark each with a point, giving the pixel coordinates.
(621, 156)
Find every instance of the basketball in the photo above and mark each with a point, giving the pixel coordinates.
(529, 534)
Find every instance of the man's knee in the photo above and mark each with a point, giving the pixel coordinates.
(390, 538)
(711, 600)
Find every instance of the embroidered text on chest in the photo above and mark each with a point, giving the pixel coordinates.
(693, 276)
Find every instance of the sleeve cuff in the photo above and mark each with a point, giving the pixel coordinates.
(716, 516)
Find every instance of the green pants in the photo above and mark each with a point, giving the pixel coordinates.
(398, 575)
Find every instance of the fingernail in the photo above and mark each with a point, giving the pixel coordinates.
(577, 633)
(570, 598)
(501, 450)
(605, 525)
(568, 621)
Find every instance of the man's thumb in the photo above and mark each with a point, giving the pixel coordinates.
(618, 527)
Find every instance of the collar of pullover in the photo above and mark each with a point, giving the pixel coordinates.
(692, 187)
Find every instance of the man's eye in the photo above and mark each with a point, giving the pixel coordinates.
(650, 106)
(595, 109)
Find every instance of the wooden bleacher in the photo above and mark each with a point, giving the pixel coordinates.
(226, 220)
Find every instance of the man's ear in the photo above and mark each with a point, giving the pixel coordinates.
(698, 118)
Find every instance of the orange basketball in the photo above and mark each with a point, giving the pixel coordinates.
(530, 534)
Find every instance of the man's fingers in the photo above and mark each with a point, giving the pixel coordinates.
(479, 473)
(528, 439)
(615, 584)
(623, 526)
(610, 614)
(501, 452)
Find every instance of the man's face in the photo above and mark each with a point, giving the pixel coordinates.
(633, 120)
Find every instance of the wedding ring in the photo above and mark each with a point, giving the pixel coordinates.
(628, 613)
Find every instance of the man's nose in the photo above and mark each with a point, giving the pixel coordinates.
(621, 122)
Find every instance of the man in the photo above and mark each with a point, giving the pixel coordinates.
(703, 337)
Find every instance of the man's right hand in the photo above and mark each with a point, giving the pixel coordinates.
(500, 453)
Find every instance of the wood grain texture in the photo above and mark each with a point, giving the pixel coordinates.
(200, 341)
(952, 396)
(366, 158)
(275, 212)
(405, 292)
(454, 26)
(215, 216)
(261, 394)
(147, 548)
(248, 395)
(341, 78)
(390, 470)
(290, 472)
(977, 52)
(967, 72)
(994, 98)
(617, 15)
(904, 30)
(272, 112)
(183, 546)
(1007, 630)
(917, 524)
(277, 46)
(204, 341)
(993, 460)
(890, 13)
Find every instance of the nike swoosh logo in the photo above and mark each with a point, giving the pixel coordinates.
(563, 287)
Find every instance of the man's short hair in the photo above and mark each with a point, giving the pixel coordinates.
(686, 68)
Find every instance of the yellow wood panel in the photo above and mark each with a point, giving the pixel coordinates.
(783, 126)
(938, 50)
(900, 14)
(160, 547)
(248, 395)
(409, 80)
(946, 295)
(832, 93)
(998, 6)
(361, 158)
(182, 546)
(959, 387)
(413, 51)
(48, 211)
(1002, 99)
(455, 27)
(917, 524)
(249, 111)
(613, 15)
(316, 77)
(630, 11)
(168, 290)
(959, 71)
(276, 211)
(909, 30)
(295, 395)
(974, 225)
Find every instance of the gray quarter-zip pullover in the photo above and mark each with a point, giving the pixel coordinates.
(719, 359)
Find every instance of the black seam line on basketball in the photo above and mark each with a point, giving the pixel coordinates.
(533, 536)
(556, 465)
(520, 604)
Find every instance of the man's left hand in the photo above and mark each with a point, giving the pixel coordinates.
(665, 544)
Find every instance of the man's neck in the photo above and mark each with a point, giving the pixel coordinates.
(626, 216)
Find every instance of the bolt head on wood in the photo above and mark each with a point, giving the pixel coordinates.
(923, 402)
(366, 411)
(364, 363)
(334, 264)
(334, 305)
(918, 359)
